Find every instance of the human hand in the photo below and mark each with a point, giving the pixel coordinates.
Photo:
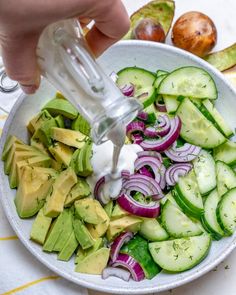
(22, 22)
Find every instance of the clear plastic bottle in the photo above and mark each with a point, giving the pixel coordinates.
(67, 63)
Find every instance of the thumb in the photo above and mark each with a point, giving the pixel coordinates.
(19, 56)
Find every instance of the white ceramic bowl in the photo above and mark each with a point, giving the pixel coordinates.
(151, 56)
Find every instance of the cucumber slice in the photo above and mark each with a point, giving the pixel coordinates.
(189, 81)
(171, 103)
(204, 168)
(180, 254)
(188, 191)
(226, 178)
(196, 129)
(226, 153)
(142, 80)
(161, 72)
(158, 80)
(226, 212)
(219, 121)
(151, 230)
(169, 197)
(177, 224)
(209, 219)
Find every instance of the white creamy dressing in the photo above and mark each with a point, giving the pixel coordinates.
(102, 163)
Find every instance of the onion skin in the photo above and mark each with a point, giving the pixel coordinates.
(194, 32)
(150, 30)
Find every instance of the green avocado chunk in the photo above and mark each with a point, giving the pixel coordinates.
(38, 120)
(223, 59)
(69, 248)
(58, 106)
(81, 254)
(160, 10)
(82, 234)
(84, 167)
(60, 121)
(69, 137)
(138, 249)
(43, 133)
(40, 227)
(61, 152)
(79, 190)
(11, 139)
(82, 125)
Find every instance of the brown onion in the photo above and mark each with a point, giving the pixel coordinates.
(150, 30)
(194, 32)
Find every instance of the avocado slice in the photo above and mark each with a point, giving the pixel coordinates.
(138, 249)
(69, 248)
(43, 133)
(160, 10)
(62, 153)
(58, 166)
(38, 145)
(61, 187)
(82, 125)
(223, 59)
(59, 95)
(81, 254)
(8, 144)
(82, 234)
(84, 167)
(40, 227)
(33, 188)
(99, 230)
(66, 232)
(73, 162)
(55, 230)
(69, 137)
(108, 208)
(90, 211)
(94, 263)
(118, 212)
(38, 120)
(58, 106)
(125, 223)
(80, 190)
(60, 121)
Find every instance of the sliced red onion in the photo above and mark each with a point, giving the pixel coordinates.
(98, 189)
(160, 128)
(128, 89)
(130, 205)
(175, 171)
(118, 243)
(132, 265)
(125, 174)
(145, 171)
(157, 167)
(161, 144)
(113, 76)
(151, 154)
(142, 116)
(151, 131)
(116, 272)
(185, 153)
(163, 120)
(161, 107)
(136, 138)
(144, 183)
(135, 127)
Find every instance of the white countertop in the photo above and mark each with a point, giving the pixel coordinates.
(221, 280)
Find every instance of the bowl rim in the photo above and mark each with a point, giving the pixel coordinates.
(115, 290)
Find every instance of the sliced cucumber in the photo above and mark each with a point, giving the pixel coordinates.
(171, 103)
(158, 80)
(226, 212)
(209, 219)
(180, 254)
(226, 153)
(169, 197)
(226, 178)
(189, 81)
(177, 224)
(161, 72)
(142, 80)
(151, 230)
(204, 168)
(196, 129)
(219, 121)
(188, 191)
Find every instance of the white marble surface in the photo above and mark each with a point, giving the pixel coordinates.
(222, 279)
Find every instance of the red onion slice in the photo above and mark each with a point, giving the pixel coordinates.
(142, 116)
(185, 153)
(151, 154)
(128, 89)
(175, 171)
(118, 243)
(116, 272)
(131, 264)
(145, 171)
(135, 126)
(151, 210)
(161, 107)
(161, 144)
(98, 190)
(137, 138)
